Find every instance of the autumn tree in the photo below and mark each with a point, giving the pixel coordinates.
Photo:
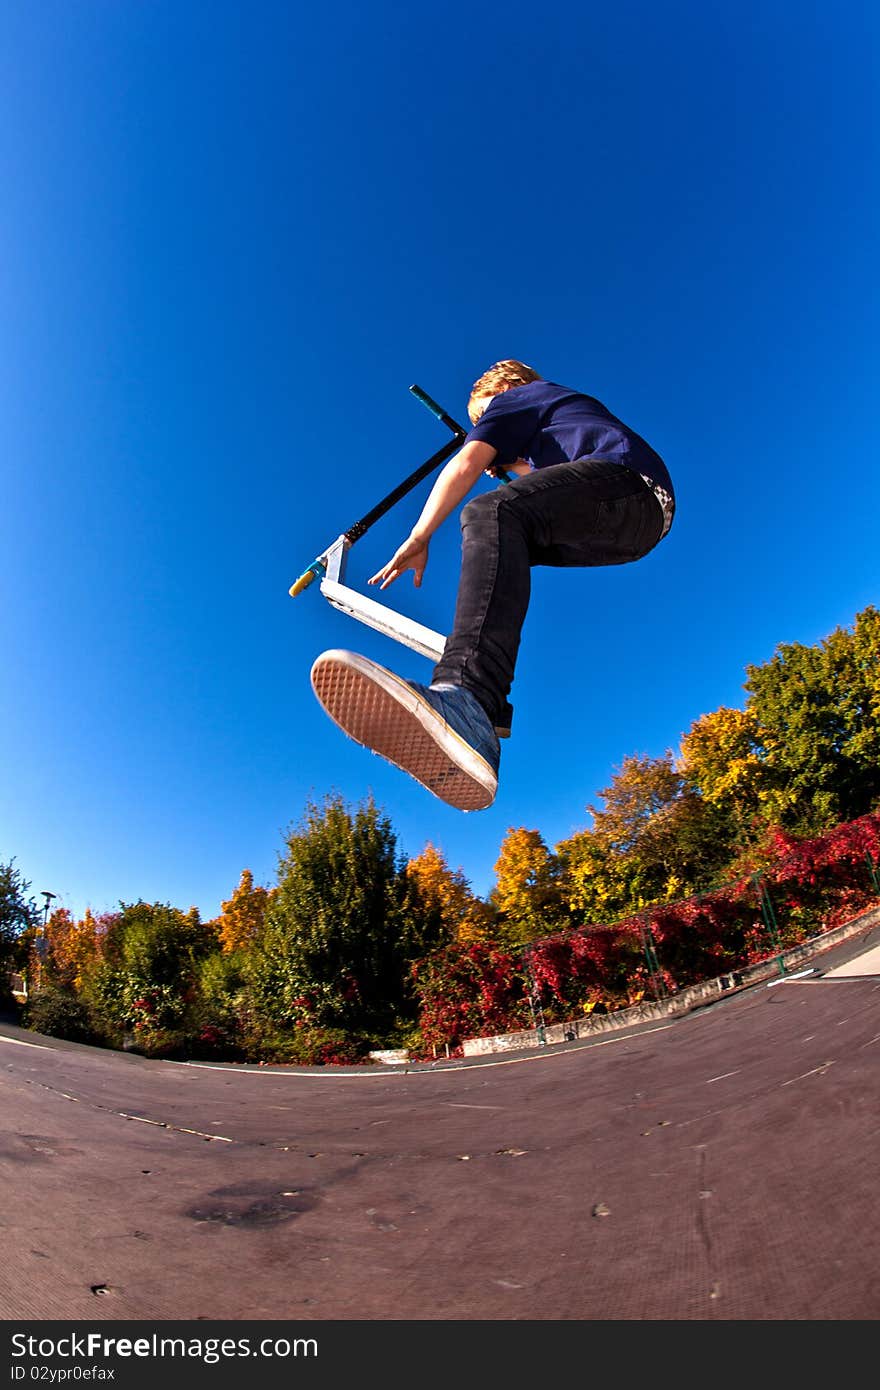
(73, 948)
(596, 884)
(652, 839)
(721, 760)
(528, 894)
(242, 916)
(448, 908)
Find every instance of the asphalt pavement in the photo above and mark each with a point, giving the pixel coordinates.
(718, 1166)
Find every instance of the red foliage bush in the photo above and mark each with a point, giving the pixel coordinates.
(470, 988)
(807, 886)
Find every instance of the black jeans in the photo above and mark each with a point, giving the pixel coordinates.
(589, 512)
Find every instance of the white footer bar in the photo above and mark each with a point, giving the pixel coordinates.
(376, 615)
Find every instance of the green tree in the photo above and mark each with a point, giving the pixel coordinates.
(338, 937)
(818, 709)
(18, 914)
(146, 983)
(222, 1016)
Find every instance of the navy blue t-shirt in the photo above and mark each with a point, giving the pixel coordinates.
(544, 424)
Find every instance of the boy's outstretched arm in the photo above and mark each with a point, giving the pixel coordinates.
(453, 484)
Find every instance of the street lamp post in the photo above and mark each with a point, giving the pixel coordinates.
(42, 943)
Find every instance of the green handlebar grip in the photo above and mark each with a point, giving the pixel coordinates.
(308, 577)
(438, 411)
(425, 399)
(435, 409)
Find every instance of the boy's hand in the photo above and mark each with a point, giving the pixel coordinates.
(412, 555)
(520, 468)
(451, 487)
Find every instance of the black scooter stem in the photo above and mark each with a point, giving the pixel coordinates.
(354, 533)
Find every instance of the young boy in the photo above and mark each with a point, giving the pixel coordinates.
(588, 491)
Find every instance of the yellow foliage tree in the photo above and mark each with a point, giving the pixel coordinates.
(720, 758)
(595, 887)
(528, 893)
(654, 839)
(72, 948)
(242, 916)
(445, 895)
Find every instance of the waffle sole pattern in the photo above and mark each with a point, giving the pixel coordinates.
(381, 712)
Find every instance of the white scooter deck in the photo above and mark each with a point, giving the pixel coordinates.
(376, 615)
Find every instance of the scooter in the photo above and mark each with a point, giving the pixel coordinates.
(329, 567)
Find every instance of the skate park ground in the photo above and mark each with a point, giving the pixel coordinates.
(717, 1166)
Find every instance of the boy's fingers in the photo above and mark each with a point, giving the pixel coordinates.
(383, 573)
(397, 566)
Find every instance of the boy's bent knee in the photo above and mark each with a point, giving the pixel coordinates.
(479, 509)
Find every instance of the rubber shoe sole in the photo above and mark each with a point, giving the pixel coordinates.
(381, 712)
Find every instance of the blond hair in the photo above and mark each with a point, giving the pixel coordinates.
(501, 377)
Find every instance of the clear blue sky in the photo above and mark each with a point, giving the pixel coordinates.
(234, 234)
